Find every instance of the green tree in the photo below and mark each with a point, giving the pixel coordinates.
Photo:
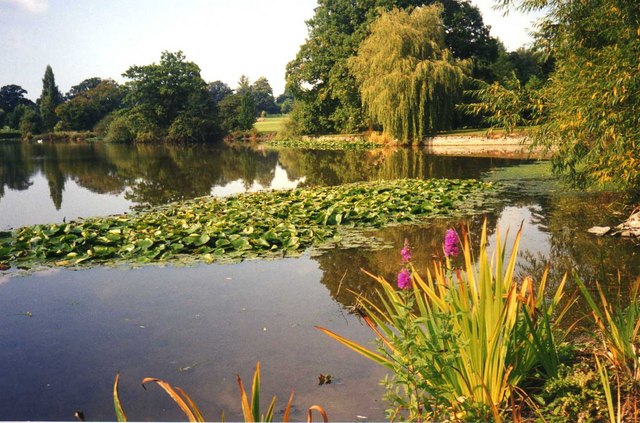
(593, 95)
(219, 90)
(325, 91)
(247, 111)
(166, 99)
(229, 108)
(30, 122)
(86, 85)
(49, 100)
(87, 107)
(407, 78)
(12, 96)
(263, 96)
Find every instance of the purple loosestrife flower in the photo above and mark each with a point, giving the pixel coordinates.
(404, 279)
(406, 252)
(451, 243)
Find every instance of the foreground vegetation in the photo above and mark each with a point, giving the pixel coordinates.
(251, 225)
(470, 342)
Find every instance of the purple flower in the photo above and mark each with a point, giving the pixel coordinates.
(404, 279)
(451, 243)
(406, 252)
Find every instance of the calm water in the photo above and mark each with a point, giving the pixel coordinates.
(64, 333)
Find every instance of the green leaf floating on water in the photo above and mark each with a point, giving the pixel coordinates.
(262, 224)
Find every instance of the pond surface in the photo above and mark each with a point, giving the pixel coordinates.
(65, 333)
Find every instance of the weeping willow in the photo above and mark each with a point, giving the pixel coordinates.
(408, 80)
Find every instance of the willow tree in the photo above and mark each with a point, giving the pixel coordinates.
(408, 80)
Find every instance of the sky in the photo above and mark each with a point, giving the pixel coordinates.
(81, 39)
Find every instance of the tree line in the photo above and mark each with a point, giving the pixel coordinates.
(161, 101)
(414, 67)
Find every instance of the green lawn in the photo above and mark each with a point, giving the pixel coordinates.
(270, 124)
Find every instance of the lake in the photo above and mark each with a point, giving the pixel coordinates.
(65, 333)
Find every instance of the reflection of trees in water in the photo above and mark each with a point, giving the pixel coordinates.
(150, 175)
(341, 268)
(339, 167)
(564, 217)
(16, 168)
(567, 218)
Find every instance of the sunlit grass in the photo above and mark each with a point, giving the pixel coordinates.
(270, 124)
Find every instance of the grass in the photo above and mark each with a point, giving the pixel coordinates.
(486, 132)
(270, 124)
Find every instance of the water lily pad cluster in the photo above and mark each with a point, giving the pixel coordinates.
(244, 226)
(324, 144)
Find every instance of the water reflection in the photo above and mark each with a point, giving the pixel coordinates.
(218, 320)
(112, 178)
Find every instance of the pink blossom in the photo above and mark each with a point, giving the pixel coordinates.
(451, 243)
(404, 279)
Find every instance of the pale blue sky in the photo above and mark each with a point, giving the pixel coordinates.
(226, 38)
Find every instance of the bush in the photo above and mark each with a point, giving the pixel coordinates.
(120, 130)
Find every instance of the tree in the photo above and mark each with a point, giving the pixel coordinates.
(229, 108)
(87, 107)
(326, 93)
(407, 78)
(263, 96)
(594, 93)
(49, 100)
(86, 85)
(168, 98)
(285, 101)
(12, 96)
(219, 90)
(247, 111)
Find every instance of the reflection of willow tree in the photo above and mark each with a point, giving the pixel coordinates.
(339, 167)
(328, 167)
(16, 168)
(341, 267)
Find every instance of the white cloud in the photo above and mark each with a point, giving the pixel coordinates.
(32, 6)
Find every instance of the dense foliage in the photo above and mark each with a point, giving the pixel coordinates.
(593, 104)
(250, 225)
(325, 91)
(167, 100)
(407, 78)
(87, 106)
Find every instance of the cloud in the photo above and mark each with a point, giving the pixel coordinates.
(32, 6)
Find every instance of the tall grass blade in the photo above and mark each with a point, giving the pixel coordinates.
(287, 409)
(255, 394)
(194, 407)
(375, 357)
(244, 401)
(320, 410)
(120, 414)
(175, 396)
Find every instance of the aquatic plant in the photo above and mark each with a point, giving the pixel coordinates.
(263, 224)
(250, 407)
(461, 342)
(619, 328)
(323, 144)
